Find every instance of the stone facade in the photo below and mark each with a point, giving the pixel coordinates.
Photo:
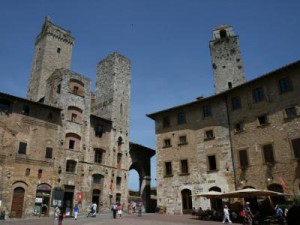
(65, 145)
(247, 135)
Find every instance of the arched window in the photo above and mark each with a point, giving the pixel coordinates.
(74, 114)
(72, 141)
(76, 87)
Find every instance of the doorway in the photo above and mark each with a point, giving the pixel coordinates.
(18, 201)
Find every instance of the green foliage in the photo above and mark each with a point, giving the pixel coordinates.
(12, 214)
(297, 199)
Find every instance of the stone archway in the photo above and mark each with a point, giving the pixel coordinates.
(140, 161)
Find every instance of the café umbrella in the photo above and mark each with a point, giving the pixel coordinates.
(250, 193)
(209, 194)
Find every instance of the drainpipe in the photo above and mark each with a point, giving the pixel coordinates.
(230, 141)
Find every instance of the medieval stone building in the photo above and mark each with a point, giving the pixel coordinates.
(65, 145)
(246, 135)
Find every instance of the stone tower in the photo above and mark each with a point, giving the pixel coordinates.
(112, 102)
(226, 59)
(53, 50)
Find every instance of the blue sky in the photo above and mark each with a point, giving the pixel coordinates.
(166, 41)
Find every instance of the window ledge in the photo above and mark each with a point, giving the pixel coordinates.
(290, 118)
(212, 171)
(208, 139)
(166, 176)
(167, 146)
(184, 174)
(184, 143)
(263, 125)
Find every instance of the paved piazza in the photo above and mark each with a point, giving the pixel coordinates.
(146, 219)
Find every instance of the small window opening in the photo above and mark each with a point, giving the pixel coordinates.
(58, 50)
(223, 34)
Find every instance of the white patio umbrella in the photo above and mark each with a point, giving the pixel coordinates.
(250, 193)
(209, 194)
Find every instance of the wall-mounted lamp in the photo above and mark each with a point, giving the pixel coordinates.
(243, 181)
(269, 178)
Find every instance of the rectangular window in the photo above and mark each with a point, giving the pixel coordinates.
(243, 159)
(258, 94)
(25, 110)
(236, 103)
(98, 155)
(239, 127)
(166, 122)
(262, 120)
(40, 174)
(212, 163)
(167, 143)
(71, 166)
(182, 140)
(48, 153)
(97, 178)
(209, 134)
(58, 89)
(285, 85)
(268, 154)
(296, 147)
(71, 144)
(27, 172)
(291, 112)
(168, 169)
(184, 166)
(22, 148)
(99, 131)
(119, 161)
(181, 118)
(4, 105)
(206, 111)
(118, 183)
(73, 117)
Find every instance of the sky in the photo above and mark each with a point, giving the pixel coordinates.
(165, 40)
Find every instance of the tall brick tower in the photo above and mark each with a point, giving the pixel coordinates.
(53, 50)
(112, 101)
(226, 59)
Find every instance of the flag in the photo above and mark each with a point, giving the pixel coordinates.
(283, 184)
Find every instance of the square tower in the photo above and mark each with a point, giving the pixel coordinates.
(226, 59)
(53, 50)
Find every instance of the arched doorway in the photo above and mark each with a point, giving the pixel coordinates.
(18, 201)
(186, 197)
(216, 203)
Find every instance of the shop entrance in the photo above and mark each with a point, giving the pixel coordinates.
(68, 200)
(42, 200)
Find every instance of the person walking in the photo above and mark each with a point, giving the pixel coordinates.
(60, 217)
(248, 219)
(76, 210)
(279, 215)
(114, 209)
(139, 208)
(226, 215)
(120, 210)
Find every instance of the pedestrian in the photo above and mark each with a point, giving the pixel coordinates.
(60, 217)
(94, 206)
(279, 215)
(120, 210)
(76, 210)
(56, 212)
(114, 209)
(226, 214)
(248, 219)
(139, 208)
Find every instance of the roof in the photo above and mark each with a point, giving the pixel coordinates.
(29, 101)
(288, 66)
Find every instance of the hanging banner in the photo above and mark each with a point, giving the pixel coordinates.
(79, 197)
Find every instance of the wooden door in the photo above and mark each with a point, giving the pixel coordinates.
(18, 201)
